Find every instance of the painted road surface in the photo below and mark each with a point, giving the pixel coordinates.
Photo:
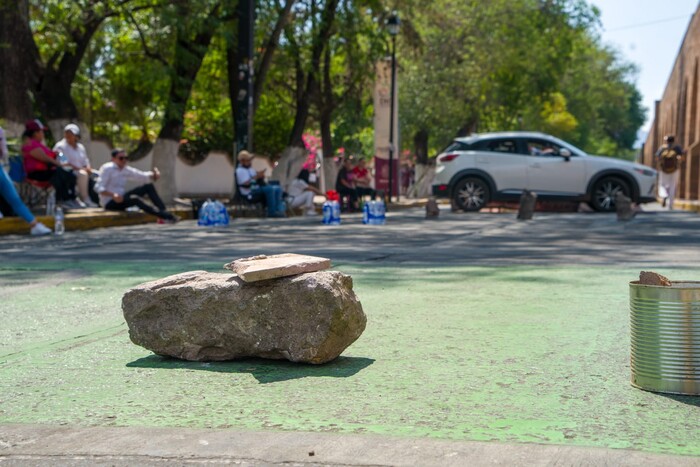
(509, 354)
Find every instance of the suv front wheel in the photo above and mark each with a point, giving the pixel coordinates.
(604, 192)
(470, 194)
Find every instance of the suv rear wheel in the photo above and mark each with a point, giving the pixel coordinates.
(604, 192)
(470, 194)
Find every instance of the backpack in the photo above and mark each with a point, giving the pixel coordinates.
(668, 160)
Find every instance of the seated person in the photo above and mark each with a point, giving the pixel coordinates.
(345, 184)
(251, 185)
(9, 194)
(303, 193)
(41, 165)
(111, 185)
(77, 159)
(363, 180)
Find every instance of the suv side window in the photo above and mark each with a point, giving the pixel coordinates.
(541, 147)
(457, 146)
(497, 145)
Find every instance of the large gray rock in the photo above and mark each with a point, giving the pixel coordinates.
(204, 316)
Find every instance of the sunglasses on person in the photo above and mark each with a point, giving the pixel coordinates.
(121, 158)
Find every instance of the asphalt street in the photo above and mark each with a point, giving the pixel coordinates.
(655, 238)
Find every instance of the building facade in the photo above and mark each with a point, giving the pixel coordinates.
(677, 113)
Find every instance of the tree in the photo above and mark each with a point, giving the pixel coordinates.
(45, 64)
(20, 70)
(194, 24)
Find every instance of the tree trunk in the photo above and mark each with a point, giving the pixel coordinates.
(54, 92)
(326, 105)
(269, 51)
(189, 53)
(19, 56)
(420, 147)
(308, 93)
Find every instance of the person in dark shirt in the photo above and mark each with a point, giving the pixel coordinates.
(345, 184)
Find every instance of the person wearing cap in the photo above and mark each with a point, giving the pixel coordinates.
(78, 160)
(668, 159)
(111, 185)
(251, 184)
(41, 164)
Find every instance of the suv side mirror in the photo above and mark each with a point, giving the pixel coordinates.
(565, 153)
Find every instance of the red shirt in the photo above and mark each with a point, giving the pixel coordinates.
(31, 164)
(360, 172)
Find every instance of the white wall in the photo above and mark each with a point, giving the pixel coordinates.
(213, 176)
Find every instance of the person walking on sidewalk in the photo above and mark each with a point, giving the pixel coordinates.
(668, 160)
(111, 185)
(9, 194)
(77, 157)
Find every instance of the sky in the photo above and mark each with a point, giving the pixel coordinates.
(647, 33)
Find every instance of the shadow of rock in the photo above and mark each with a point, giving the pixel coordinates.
(265, 371)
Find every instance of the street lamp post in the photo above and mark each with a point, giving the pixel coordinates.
(393, 24)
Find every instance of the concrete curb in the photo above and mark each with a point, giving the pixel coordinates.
(123, 446)
(86, 219)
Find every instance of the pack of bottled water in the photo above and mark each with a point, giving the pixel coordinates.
(374, 213)
(331, 213)
(213, 214)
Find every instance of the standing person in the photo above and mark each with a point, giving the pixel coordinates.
(9, 194)
(668, 160)
(111, 185)
(303, 193)
(251, 184)
(78, 160)
(41, 164)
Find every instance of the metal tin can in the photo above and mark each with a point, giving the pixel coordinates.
(665, 337)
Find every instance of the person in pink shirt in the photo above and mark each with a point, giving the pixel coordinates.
(42, 165)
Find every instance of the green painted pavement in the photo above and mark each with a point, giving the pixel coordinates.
(508, 354)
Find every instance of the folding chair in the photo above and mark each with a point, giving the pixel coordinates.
(33, 193)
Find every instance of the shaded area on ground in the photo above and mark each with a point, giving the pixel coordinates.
(264, 371)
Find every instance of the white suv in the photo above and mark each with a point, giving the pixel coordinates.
(498, 166)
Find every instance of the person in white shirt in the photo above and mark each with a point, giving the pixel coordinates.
(111, 185)
(251, 184)
(77, 158)
(302, 193)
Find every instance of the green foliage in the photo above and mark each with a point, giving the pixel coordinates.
(464, 66)
(514, 64)
(272, 125)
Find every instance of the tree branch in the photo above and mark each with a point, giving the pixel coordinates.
(146, 50)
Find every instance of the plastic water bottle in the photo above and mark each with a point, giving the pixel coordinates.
(327, 213)
(51, 203)
(335, 213)
(58, 219)
(213, 214)
(60, 157)
(379, 213)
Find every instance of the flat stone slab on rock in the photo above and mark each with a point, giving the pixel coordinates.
(203, 316)
(262, 267)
